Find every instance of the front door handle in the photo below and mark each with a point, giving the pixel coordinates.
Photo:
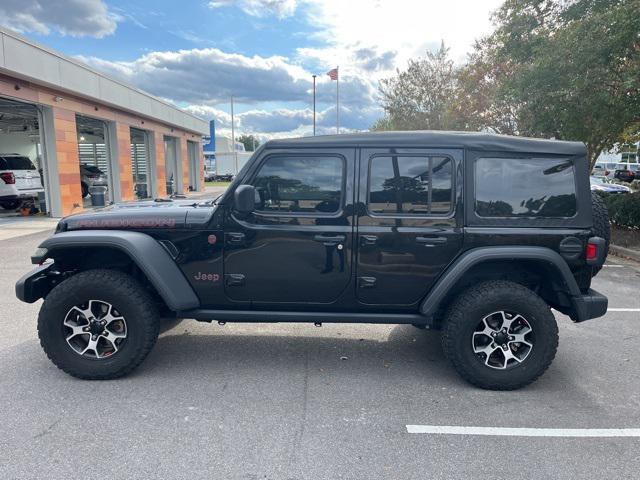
(330, 240)
(431, 241)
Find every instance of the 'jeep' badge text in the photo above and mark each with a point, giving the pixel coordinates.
(206, 277)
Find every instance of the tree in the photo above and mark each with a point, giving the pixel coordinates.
(420, 97)
(568, 70)
(250, 142)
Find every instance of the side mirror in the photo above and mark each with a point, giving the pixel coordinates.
(244, 199)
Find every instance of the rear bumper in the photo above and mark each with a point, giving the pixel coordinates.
(26, 193)
(590, 305)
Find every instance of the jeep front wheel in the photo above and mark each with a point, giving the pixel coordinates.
(500, 335)
(98, 324)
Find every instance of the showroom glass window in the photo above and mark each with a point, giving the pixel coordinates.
(525, 187)
(410, 185)
(300, 184)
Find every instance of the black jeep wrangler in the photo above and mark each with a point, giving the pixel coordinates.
(477, 235)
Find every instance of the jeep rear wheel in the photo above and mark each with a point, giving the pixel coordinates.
(500, 335)
(98, 324)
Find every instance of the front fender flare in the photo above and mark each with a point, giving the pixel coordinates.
(479, 255)
(152, 259)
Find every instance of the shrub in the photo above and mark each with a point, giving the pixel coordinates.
(624, 210)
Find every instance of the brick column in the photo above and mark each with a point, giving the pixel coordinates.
(184, 159)
(161, 171)
(123, 134)
(66, 140)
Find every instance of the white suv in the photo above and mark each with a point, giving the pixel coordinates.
(19, 180)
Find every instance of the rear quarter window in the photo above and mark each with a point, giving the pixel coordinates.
(525, 187)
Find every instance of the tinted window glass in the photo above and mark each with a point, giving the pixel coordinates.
(525, 187)
(410, 185)
(300, 184)
(17, 163)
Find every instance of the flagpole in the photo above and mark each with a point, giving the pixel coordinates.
(233, 139)
(337, 100)
(314, 105)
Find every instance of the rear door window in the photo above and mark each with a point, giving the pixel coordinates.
(525, 187)
(410, 185)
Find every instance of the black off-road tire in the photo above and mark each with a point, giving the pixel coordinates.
(468, 310)
(10, 204)
(601, 224)
(131, 301)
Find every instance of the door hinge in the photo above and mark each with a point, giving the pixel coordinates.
(366, 282)
(234, 279)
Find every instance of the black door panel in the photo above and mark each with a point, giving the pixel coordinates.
(297, 247)
(408, 228)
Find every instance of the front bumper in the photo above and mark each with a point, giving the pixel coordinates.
(35, 284)
(590, 305)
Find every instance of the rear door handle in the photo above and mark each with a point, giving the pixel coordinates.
(330, 240)
(431, 241)
(366, 240)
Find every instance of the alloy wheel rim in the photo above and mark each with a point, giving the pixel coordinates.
(95, 329)
(503, 340)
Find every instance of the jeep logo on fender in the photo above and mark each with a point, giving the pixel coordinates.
(206, 277)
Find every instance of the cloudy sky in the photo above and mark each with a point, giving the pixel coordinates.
(197, 53)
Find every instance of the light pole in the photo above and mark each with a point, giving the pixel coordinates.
(314, 104)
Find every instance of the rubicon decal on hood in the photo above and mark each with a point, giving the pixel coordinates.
(145, 222)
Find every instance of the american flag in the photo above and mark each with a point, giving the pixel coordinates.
(333, 74)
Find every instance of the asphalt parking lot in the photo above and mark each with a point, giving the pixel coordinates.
(299, 402)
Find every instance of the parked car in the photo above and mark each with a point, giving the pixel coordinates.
(91, 176)
(598, 184)
(209, 175)
(19, 180)
(624, 174)
(476, 235)
(635, 168)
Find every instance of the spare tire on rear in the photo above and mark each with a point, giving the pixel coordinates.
(601, 224)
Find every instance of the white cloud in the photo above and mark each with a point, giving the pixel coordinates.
(283, 122)
(259, 8)
(407, 27)
(78, 18)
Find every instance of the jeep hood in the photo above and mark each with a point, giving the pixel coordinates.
(151, 214)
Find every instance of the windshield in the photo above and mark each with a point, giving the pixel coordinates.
(596, 180)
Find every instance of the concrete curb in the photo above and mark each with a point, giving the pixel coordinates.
(624, 252)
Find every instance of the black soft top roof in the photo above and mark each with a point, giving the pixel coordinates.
(436, 139)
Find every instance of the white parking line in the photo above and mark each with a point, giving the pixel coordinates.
(623, 309)
(525, 432)
(613, 266)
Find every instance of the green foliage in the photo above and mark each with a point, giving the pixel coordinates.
(249, 142)
(568, 70)
(422, 96)
(624, 209)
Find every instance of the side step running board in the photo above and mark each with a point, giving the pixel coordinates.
(205, 315)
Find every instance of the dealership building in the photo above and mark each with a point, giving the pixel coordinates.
(72, 121)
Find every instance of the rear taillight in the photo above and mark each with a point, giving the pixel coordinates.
(592, 251)
(8, 177)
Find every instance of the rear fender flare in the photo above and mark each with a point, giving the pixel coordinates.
(480, 255)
